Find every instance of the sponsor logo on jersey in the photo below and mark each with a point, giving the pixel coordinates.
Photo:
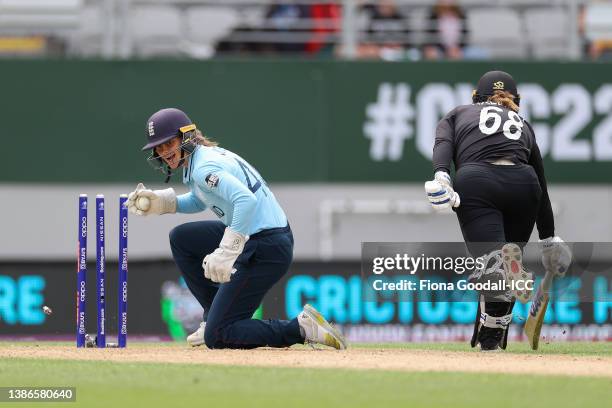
(212, 180)
(218, 212)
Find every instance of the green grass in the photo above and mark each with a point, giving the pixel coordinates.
(603, 349)
(569, 348)
(106, 384)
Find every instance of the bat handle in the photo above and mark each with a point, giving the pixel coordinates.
(547, 281)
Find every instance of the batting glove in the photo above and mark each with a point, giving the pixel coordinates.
(143, 201)
(219, 266)
(440, 192)
(556, 255)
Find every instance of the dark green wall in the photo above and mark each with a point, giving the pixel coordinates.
(76, 121)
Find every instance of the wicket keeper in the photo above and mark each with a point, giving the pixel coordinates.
(228, 264)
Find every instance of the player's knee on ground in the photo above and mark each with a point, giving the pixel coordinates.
(212, 337)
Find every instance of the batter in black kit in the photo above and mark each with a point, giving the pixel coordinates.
(499, 190)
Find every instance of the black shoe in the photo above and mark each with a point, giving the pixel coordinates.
(490, 339)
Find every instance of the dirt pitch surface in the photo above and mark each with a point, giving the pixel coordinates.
(356, 359)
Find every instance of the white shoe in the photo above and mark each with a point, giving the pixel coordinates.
(317, 330)
(197, 337)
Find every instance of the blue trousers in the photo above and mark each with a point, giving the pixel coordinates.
(228, 307)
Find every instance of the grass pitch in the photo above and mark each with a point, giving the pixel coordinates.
(551, 348)
(115, 383)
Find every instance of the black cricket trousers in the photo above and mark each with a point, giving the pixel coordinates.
(499, 204)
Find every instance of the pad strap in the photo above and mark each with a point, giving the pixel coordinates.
(495, 322)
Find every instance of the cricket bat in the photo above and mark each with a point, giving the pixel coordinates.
(533, 326)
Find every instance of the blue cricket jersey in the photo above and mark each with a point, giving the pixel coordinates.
(232, 189)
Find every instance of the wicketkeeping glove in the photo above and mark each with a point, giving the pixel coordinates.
(440, 192)
(219, 266)
(143, 201)
(556, 255)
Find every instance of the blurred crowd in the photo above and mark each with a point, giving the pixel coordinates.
(377, 29)
(386, 32)
(389, 32)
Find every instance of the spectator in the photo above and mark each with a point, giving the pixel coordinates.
(595, 27)
(326, 21)
(311, 24)
(386, 33)
(447, 31)
(287, 18)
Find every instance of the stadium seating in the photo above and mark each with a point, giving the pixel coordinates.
(207, 25)
(547, 30)
(598, 30)
(156, 31)
(509, 29)
(39, 16)
(39, 6)
(88, 40)
(418, 22)
(598, 21)
(499, 31)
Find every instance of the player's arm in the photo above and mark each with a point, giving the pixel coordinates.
(545, 220)
(444, 146)
(188, 204)
(439, 191)
(219, 265)
(556, 255)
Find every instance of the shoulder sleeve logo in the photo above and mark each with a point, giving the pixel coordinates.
(212, 180)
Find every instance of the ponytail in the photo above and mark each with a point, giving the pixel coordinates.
(504, 98)
(202, 140)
